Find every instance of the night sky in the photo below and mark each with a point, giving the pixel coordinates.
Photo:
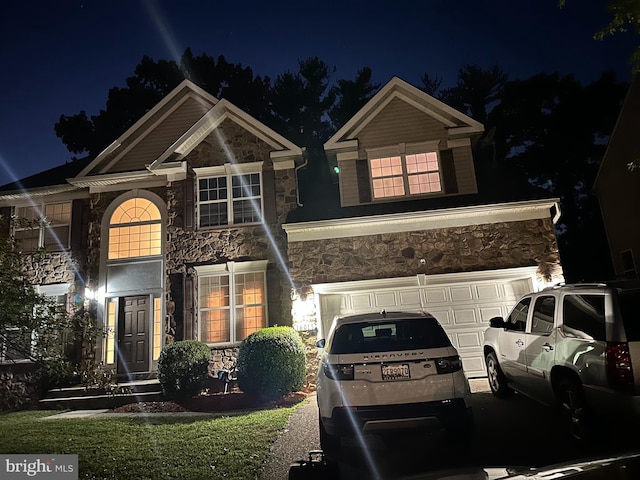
(62, 56)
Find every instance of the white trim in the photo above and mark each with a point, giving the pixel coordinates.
(395, 283)
(347, 156)
(185, 84)
(52, 290)
(415, 221)
(229, 169)
(27, 197)
(397, 88)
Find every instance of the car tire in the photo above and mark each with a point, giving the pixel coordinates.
(497, 380)
(573, 406)
(330, 444)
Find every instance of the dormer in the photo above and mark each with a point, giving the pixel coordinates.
(403, 145)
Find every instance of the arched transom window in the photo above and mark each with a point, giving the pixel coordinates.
(135, 230)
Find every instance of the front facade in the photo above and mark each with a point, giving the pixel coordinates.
(174, 231)
(191, 226)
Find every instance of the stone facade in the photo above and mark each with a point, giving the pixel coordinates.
(445, 250)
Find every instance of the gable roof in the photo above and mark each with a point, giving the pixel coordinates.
(457, 122)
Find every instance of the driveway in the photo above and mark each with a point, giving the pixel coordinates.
(510, 432)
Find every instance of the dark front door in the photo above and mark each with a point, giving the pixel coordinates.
(133, 335)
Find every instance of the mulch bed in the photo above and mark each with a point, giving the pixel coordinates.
(212, 402)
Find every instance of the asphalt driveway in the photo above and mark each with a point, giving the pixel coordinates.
(509, 432)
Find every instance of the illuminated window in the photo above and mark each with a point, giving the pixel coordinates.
(157, 327)
(110, 334)
(229, 199)
(400, 175)
(231, 301)
(46, 225)
(135, 230)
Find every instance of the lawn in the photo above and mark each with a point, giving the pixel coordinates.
(227, 447)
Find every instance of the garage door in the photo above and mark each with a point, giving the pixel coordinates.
(463, 304)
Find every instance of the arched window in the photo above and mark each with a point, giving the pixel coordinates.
(135, 230)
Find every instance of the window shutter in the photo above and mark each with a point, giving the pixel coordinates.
(269, 196)
(188, 315)
(182, 296)
(189, 202)
(450, 183)
(364, 184)
(78, 238)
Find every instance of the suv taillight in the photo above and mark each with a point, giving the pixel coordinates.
(449, 364)
(338, 372)
(618, 362)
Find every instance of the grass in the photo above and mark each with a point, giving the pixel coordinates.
(228, 447)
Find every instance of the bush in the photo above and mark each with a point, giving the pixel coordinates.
(271, 363)
(183, 368)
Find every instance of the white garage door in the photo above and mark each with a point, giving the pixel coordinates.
(462, 303)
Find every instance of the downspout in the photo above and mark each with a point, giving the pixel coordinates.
(303, 164)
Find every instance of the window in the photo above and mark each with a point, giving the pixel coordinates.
(46, 225)
(135, 230)
(405, 174)
(543, 315)
(232, 301)
(17, 344)
(584, 315)
(517, 319)
(229, 196)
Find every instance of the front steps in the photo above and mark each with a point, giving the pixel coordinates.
(79, 398)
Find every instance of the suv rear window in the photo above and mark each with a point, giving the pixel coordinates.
(585, 314)
(628, 302)
(409, 334)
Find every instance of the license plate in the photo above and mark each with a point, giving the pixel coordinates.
(395, 372)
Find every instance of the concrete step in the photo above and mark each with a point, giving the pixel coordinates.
(79, 397)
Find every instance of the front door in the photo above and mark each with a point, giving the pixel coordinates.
(133, 335)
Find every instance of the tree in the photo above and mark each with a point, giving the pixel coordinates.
(351, 96)
(31, 325)
(626, 15)
(552, 131)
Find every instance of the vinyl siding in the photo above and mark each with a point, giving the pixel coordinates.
(465, 172)
(161, 137)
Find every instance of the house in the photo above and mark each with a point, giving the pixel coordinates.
(416, 228)
(191, 226)
(618, 188)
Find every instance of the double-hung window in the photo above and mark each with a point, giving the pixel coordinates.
(229, 194)
(232, 301)
(405, 171)
(43, 225)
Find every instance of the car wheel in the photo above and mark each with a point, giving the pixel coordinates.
(330, 444)
(497, 380)
(572, 403)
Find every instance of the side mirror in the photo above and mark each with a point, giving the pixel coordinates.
(320, 343)
(497, 322)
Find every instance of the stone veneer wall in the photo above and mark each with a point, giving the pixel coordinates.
(446, 250)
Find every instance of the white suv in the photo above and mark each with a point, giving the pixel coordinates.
(577, 346)
(381, 371)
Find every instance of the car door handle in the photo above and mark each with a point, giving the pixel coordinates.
(547, 347)
(519, 343)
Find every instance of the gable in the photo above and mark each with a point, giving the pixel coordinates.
(400, 122)
(160, 137)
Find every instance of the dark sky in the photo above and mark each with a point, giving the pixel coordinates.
(62, 56)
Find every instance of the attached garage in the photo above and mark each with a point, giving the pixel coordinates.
(462, 302)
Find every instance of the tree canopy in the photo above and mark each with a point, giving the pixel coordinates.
(549, 130)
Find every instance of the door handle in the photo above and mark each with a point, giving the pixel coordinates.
(519, 343)
(547, 347)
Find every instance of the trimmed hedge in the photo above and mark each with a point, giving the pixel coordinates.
(183, 368)
(271, 363)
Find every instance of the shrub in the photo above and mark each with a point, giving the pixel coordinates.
(183, 368)
(271, 363)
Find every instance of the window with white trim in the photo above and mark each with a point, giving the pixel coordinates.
(18, 344)
(44, 225)
(405, 174)
(229, 195)
(232, 301)
(135, 230)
